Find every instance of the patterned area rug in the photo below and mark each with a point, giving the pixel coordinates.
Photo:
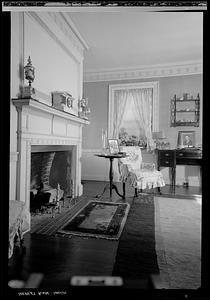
(98, 219)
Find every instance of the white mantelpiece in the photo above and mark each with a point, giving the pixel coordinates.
(40, 124)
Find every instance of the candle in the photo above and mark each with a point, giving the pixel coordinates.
(102, 137)
(104, 140)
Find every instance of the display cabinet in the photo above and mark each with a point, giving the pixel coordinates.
(185, 111)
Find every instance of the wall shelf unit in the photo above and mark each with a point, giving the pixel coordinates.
(185, 111)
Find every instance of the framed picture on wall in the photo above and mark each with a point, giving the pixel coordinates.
(113, 146)
(186, 139)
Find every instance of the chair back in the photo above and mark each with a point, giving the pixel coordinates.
(134, 158)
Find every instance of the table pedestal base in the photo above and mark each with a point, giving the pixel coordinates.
(111, 187)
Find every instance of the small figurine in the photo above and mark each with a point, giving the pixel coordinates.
(84, 110)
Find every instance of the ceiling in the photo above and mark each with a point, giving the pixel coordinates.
(128, 39)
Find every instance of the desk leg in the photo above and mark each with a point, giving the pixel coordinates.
(174, 179)
(172, 172)
(200, 177)
(159, 190)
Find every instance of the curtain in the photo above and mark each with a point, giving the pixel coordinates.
(121, 99)
(142, 101)
(143, 107)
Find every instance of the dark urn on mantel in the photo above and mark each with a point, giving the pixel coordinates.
(29, 71)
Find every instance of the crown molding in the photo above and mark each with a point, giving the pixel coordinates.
(164, 70)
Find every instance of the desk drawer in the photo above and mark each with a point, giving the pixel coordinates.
(166, 162)
(189, 161)
(166, 154)
(188, 154)
(166, 158)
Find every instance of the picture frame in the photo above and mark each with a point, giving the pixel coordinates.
(186, 139)
(113, 146)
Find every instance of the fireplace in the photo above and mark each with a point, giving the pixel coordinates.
(42, 128)
(51, 167)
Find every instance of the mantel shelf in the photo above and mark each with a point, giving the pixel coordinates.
(35, 104)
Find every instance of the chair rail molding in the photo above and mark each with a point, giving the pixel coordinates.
(142, 72)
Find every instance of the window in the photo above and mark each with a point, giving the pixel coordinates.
(133, 112)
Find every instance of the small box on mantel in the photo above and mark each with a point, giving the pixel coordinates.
(64, 101)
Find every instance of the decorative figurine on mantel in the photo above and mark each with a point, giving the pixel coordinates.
(84, 110)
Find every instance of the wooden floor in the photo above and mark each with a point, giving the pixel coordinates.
(59, 258)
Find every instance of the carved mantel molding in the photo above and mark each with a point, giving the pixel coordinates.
(42, 125)
(34, 104)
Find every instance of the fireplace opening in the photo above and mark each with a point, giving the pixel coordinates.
(51, 178)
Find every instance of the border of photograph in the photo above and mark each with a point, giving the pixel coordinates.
(181, 139)
(113, 146)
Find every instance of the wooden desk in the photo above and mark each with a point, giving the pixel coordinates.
(172, 157)
(110, 185)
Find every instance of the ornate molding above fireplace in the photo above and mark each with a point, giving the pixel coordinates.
(40, 124)
(34, 104)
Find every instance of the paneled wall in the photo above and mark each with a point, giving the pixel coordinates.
(56, 54)
(54, 68)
